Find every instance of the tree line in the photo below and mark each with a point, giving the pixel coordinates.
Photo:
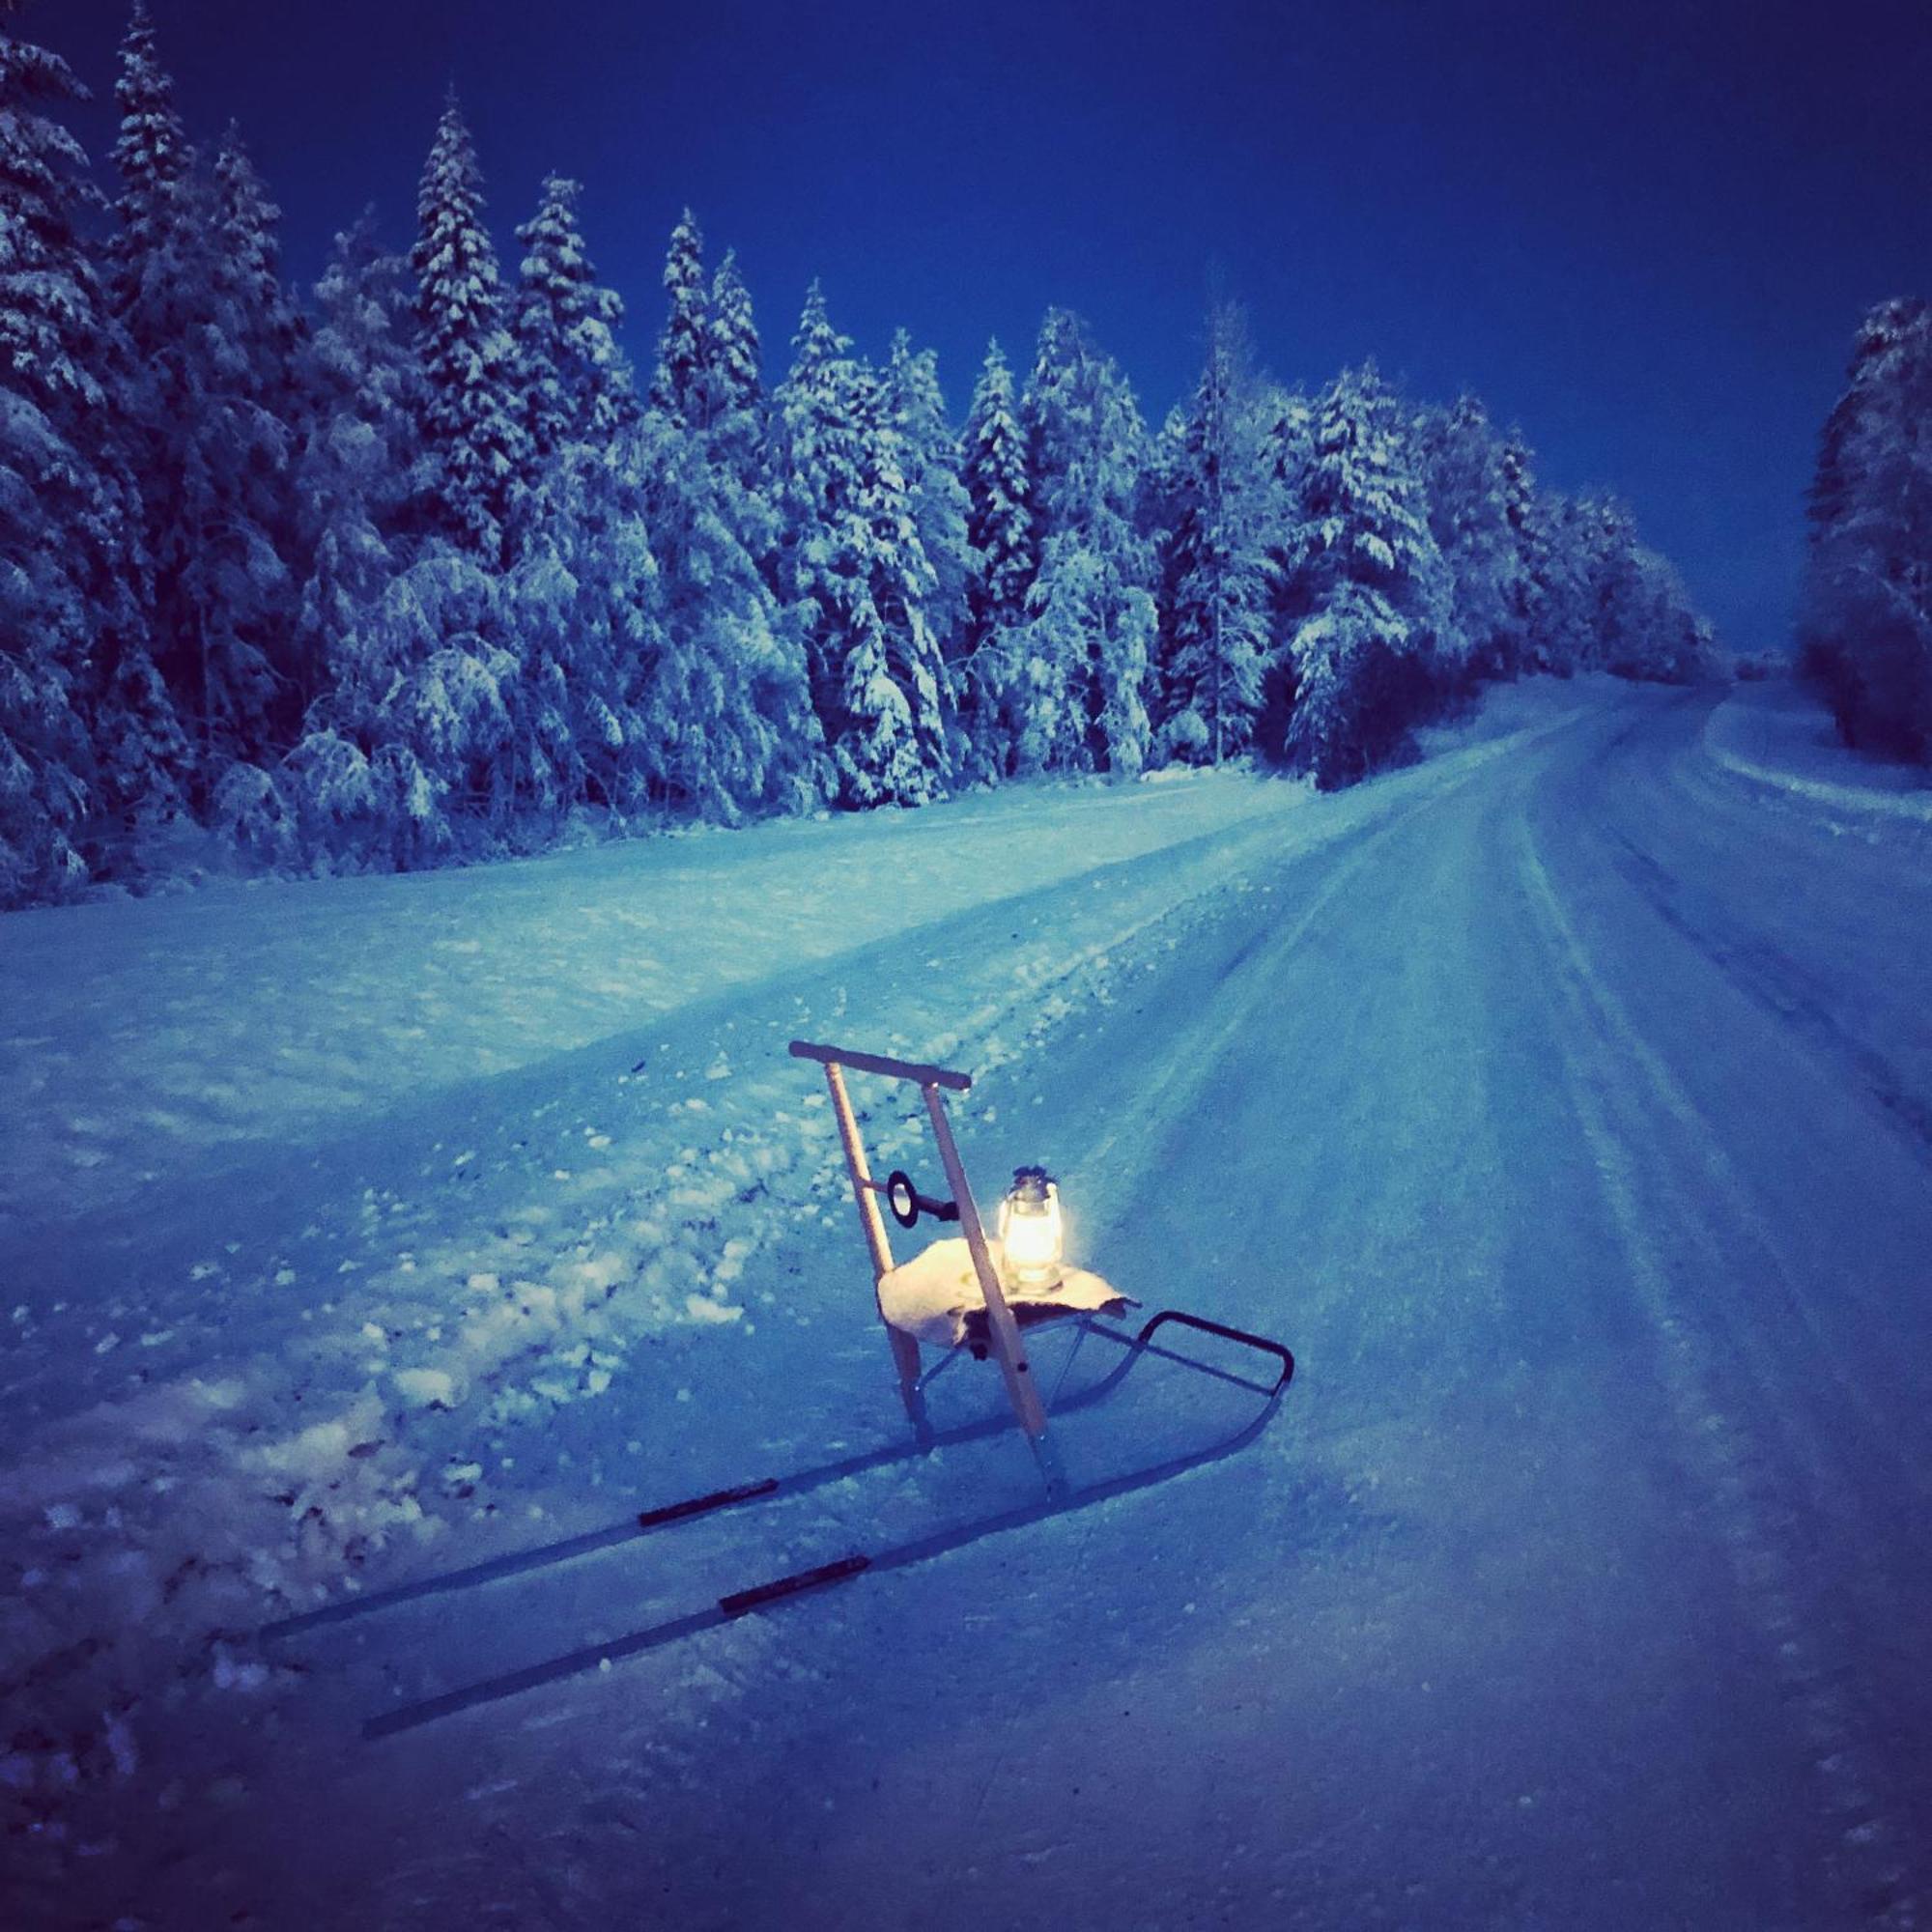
(420, 567)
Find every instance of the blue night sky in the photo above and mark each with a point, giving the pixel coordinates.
(1644, 231)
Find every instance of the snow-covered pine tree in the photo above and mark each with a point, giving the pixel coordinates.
(725, 725)
(1217, 635)
(913, 407)
(1287, 449)
(1468, 495)
(210, 453)
(853, 574)
(418, 752)
(1527, 516)
(1881, 333)
(475, 453)
(879, 765)
(1372, 583)
(1003, 556)
(1563, 600)
(353, 478)
(151, 159)
(734, 364)
(725, 722)
(1867, 636)
(681, 387)
(1076, 697)
(67, 520)
(576, 382)
(269, 328)
(815, 459)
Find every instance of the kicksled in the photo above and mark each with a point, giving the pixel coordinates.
(1102, 1411)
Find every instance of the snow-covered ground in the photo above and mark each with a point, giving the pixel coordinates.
(1565, 1109)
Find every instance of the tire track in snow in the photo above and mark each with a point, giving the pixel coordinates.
(1786, 990)
(1872, 1869)
(1173, 1094)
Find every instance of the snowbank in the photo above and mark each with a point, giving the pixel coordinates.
(1776, 735)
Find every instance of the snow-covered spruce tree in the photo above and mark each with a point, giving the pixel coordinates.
(1866, 636)
(66, 515)
(1641, 622)
(1526, 514)
(210, 450)
(152, 159)
(269, 328)
(853, 574)
(1562, 599)
(734, 371)
(725, 722)
(1216, 632)
(1372, 583)
(1075, 692)
(681, 388)
(575, 381)
(421, 756)
(579, 548)
(913, 408)
(1288, 441)
(1002, 559)
(1468, 494)
(475, 453)
(725, 725)
(353, 478)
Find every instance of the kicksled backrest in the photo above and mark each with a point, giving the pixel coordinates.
(1003, 1332)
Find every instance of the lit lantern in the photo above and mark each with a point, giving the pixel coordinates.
(1031, 1233)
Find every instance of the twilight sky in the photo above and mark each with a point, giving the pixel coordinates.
(1644, 230)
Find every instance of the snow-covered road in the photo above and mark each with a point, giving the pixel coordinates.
(1566, 1104)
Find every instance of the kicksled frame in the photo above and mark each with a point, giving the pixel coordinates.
(1004, 1340)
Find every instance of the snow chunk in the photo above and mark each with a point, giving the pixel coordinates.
(426, 1388)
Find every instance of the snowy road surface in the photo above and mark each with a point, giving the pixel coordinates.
(1564, 1102)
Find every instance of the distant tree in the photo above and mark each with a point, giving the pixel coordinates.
(475, 452)
(726, 726)
(1287, 428)
(727, 720)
